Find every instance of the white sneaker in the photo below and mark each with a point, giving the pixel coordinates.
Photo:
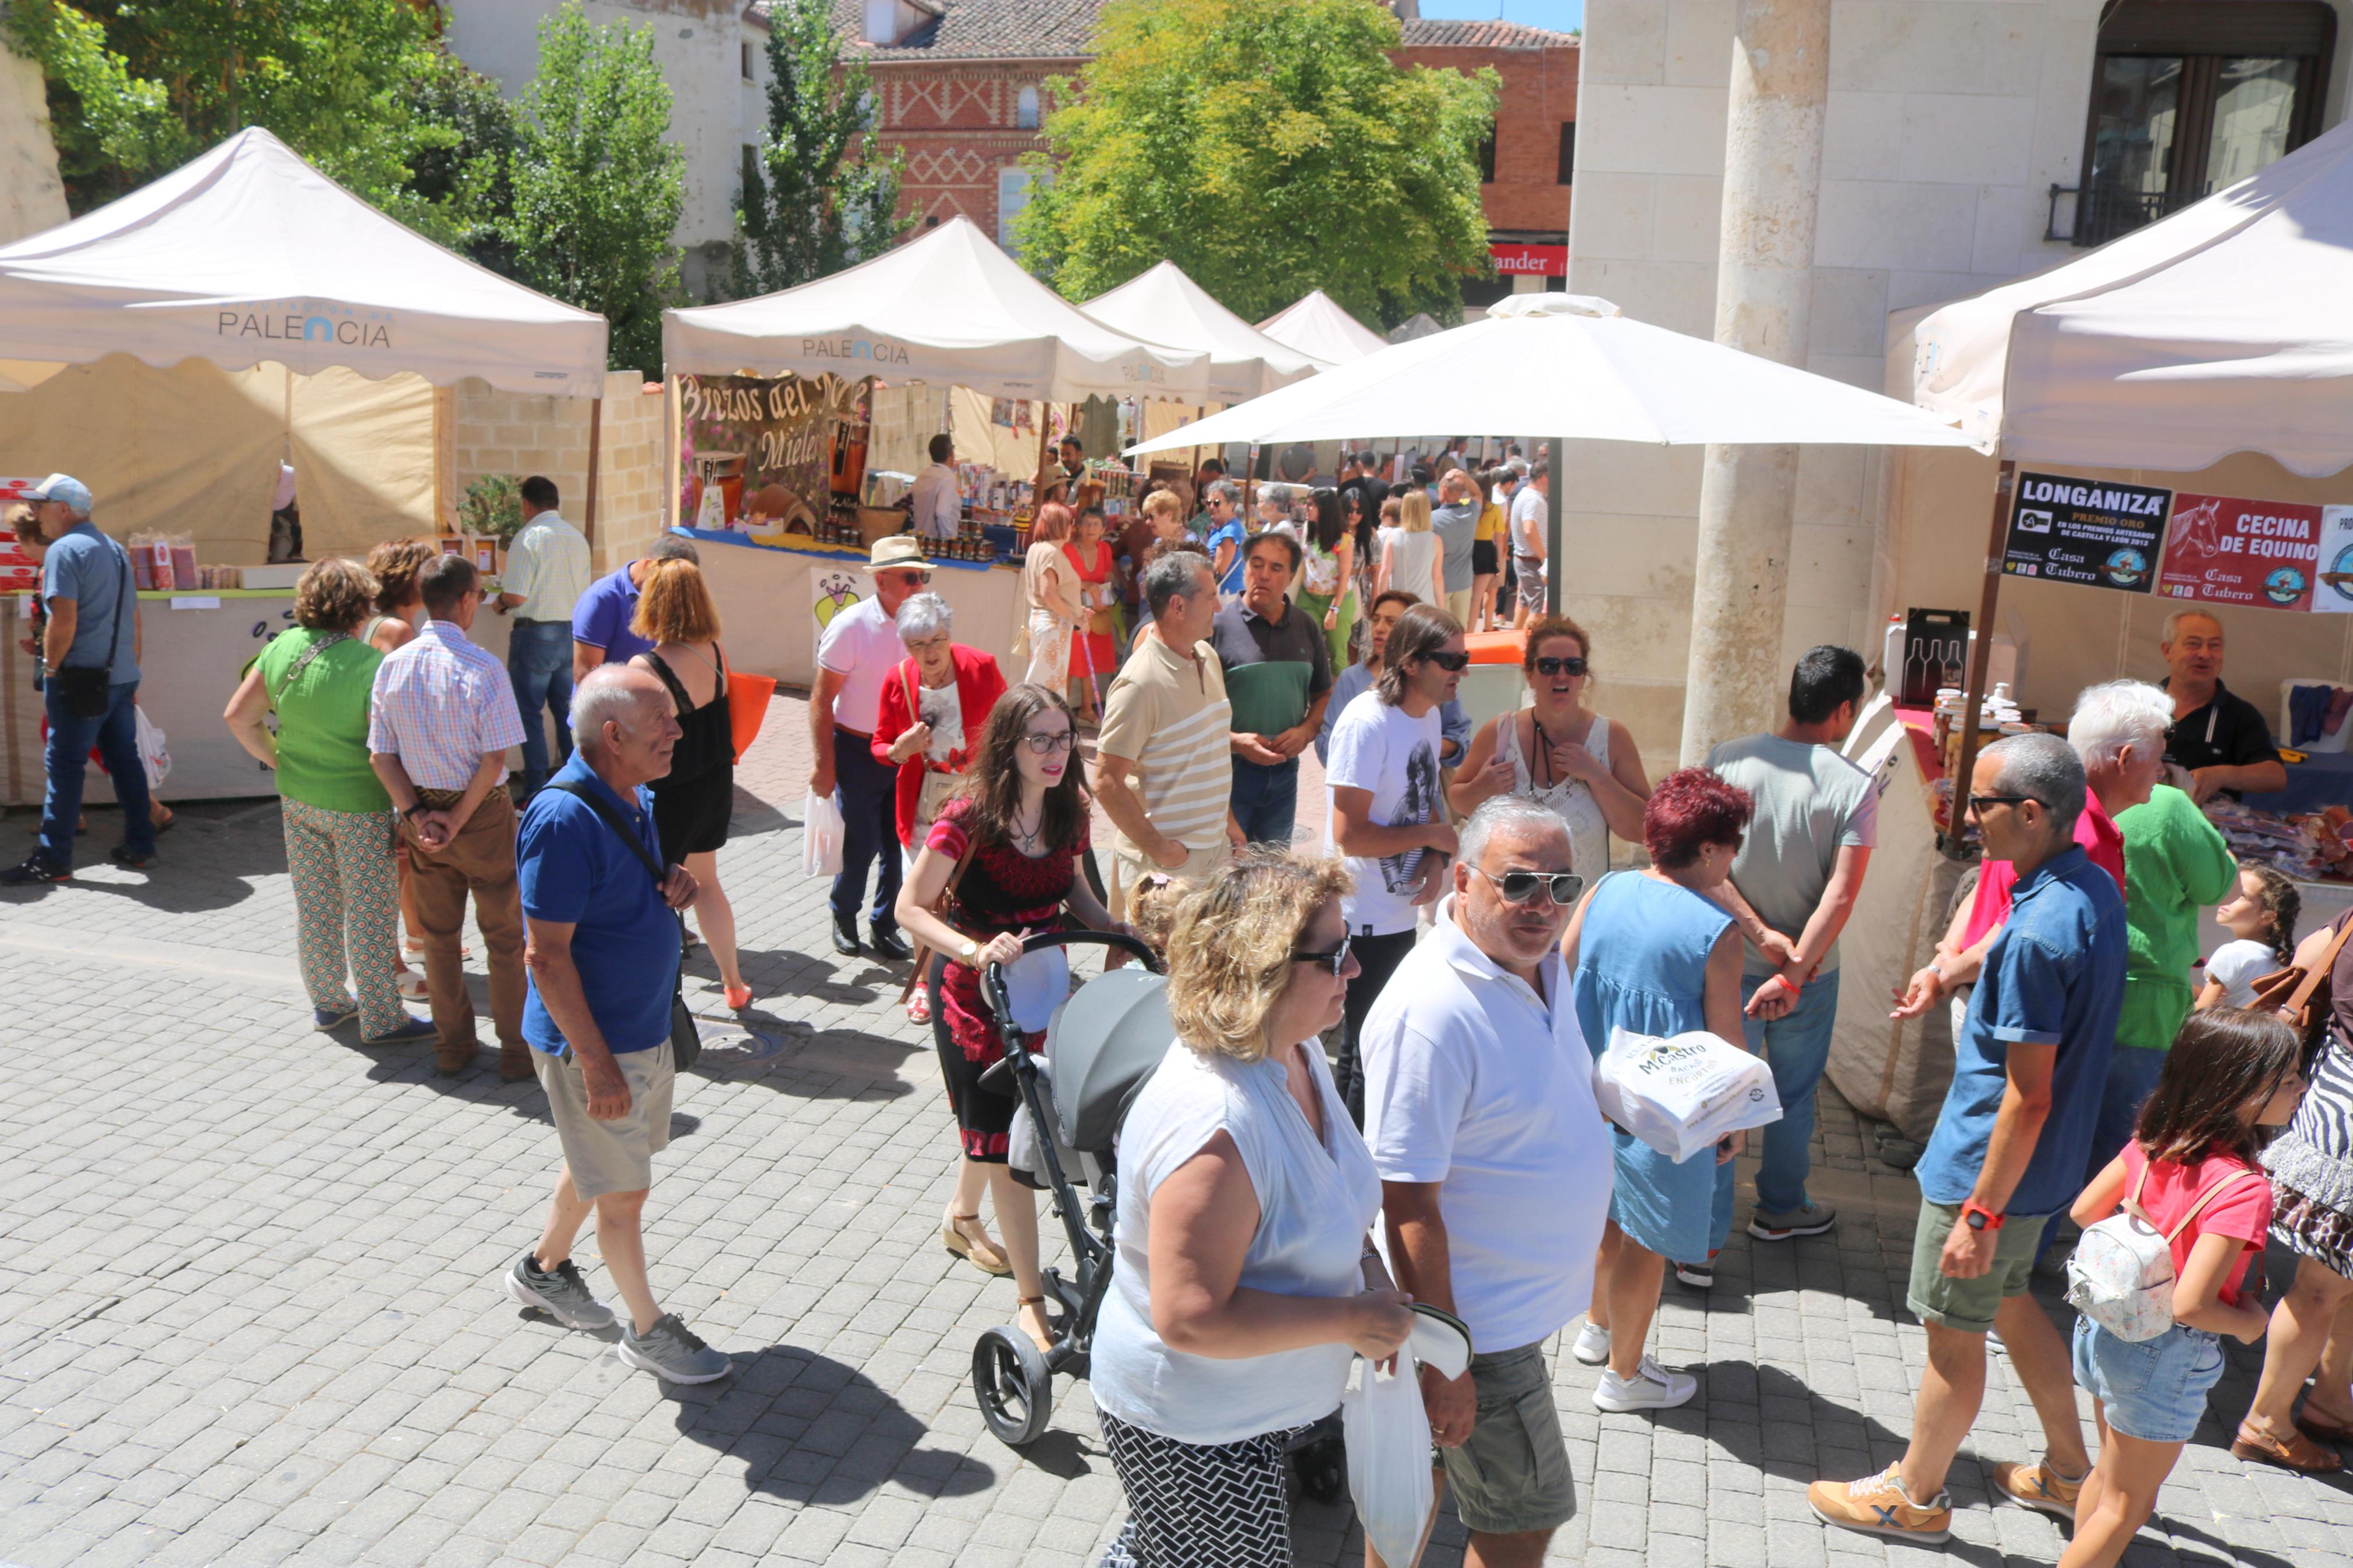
(1592, 1346)
(1652, 1387)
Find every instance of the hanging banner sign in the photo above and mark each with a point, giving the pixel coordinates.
(2101, 533)
(767, 457)
(2222, 550)
(2332, 586)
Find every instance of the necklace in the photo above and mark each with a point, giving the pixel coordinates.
(1027, 838)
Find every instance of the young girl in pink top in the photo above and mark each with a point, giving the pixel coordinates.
(2231, 1072)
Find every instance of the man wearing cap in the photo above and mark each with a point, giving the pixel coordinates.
(855, 658)
(90, 656)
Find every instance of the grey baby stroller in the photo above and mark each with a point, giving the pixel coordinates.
(1105, 1043)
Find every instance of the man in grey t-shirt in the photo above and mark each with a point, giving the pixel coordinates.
(1793, 885)
(1455, 521)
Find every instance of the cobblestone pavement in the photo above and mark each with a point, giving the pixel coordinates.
(249, 1302)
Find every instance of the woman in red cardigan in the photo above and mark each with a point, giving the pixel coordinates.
(934, 707)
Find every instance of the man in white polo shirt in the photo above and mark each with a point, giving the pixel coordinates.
(1495, 1167)
(859, 649)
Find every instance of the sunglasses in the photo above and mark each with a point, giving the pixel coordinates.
(1452, 663)
(1046, 745)
(1571, 666)
(918, 578)
(1335, 958)
(1979, 802)
(1519, 887)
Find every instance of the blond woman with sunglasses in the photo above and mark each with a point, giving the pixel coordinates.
(1558, 752)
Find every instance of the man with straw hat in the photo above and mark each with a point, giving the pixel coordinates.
(854, 658)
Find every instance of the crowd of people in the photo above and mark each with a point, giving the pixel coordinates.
(1382, 1089)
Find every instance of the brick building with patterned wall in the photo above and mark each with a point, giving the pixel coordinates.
(960, 88)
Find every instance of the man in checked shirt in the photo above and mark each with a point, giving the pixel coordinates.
(441, 720)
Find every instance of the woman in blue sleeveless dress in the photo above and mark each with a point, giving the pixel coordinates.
(1652, 952)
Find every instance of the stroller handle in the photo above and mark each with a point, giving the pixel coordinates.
(992, 975)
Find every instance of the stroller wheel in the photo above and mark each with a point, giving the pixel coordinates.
(1010, 1382)
(1322, 1468)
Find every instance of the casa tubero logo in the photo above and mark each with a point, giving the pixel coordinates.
(306, 320)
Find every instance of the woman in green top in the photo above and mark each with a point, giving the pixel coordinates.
(317, 679)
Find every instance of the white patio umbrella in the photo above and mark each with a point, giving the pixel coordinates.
(1318, 328)
(1164, 306)
(1569, 367)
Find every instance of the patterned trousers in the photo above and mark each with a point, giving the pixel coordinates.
(1192, 1505)
(347, 908)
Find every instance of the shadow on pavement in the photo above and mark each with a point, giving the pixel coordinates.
(813, 1430)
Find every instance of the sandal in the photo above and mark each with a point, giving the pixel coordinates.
(738, 997)
(2300, 1453)
(1046, 1342)
(2321, 1431)
(979, 1250)
(919, 1005)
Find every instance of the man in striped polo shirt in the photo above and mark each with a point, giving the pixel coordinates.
(1164, 763)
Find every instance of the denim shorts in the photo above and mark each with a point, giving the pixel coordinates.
(2155, 1390)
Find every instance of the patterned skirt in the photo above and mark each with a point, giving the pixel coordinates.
(2311, 1167)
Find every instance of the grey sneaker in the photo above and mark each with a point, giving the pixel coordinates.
(560, 1292)
(670, 1352)
(1770, 1225)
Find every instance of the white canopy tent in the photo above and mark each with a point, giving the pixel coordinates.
(1569, 367)
(1322, 331)
(2227, 327)
(949, 308)
(248, 254)
(1164, 306)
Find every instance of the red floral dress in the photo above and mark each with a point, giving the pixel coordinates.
(1002, 890)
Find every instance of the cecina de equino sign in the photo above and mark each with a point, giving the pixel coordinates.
(306, 320)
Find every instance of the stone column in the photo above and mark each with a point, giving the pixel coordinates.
(1772, 175)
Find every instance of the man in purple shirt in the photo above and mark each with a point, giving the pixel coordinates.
(600, 622)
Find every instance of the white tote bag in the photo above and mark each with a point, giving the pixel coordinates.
(1679, 1095)
(820, 836)
(1388, 1435)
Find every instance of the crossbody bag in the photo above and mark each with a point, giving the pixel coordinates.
(86, 691)
(685, 1039)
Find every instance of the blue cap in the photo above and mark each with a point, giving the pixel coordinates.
(64, 488)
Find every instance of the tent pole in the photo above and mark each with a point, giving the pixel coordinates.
(596, 439)
(1554, 502)
(1981, 660)
(1038, 491)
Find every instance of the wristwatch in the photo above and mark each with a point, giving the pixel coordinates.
(1977, 1216)
(969, 950)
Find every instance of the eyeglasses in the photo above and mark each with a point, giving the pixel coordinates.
(912, 576)
(1046, 745)
(1560, 667)
(1335, 958)
(1979, 802)
(1519, 887)
(1452, 663)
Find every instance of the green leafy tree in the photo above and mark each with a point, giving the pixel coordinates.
(597, 185)
(136, 90)
(1267, 147)
(463, 169)
(818, 196)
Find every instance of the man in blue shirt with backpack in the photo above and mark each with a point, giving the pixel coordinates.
(90, 683)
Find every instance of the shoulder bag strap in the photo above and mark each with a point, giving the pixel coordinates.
(924, 949)
(122, 602)
(2320, 972)
(613, 819)
(2213, 1190)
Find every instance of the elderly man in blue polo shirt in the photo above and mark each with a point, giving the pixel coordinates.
(89, 655)
(603, 955)
(2029, 1071)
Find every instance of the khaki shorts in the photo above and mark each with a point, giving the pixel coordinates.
(1513, 1475)
(609, 1156)
(1128, 869)
(1967, 1306)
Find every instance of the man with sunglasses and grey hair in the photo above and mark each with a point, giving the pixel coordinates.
(1495, 1164)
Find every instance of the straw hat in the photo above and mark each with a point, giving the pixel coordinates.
(900, 551)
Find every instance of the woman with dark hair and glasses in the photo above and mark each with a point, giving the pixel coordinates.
(1652, 952)
(1000, 862)
(1385, 813)
(1558, 752)
(1247, 1281)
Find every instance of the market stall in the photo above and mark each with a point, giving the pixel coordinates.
(775, 405)
(1317, 326)
(245, 256)
(2160, 419)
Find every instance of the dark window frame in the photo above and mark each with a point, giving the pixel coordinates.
(1567, 152)
(1487, 157)
(2202, 34)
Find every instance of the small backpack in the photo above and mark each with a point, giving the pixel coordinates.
(2121, 1276)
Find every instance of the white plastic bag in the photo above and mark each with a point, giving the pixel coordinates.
(154, 758)
(820, 836)
(1681, 1095)
(1387, 1435)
